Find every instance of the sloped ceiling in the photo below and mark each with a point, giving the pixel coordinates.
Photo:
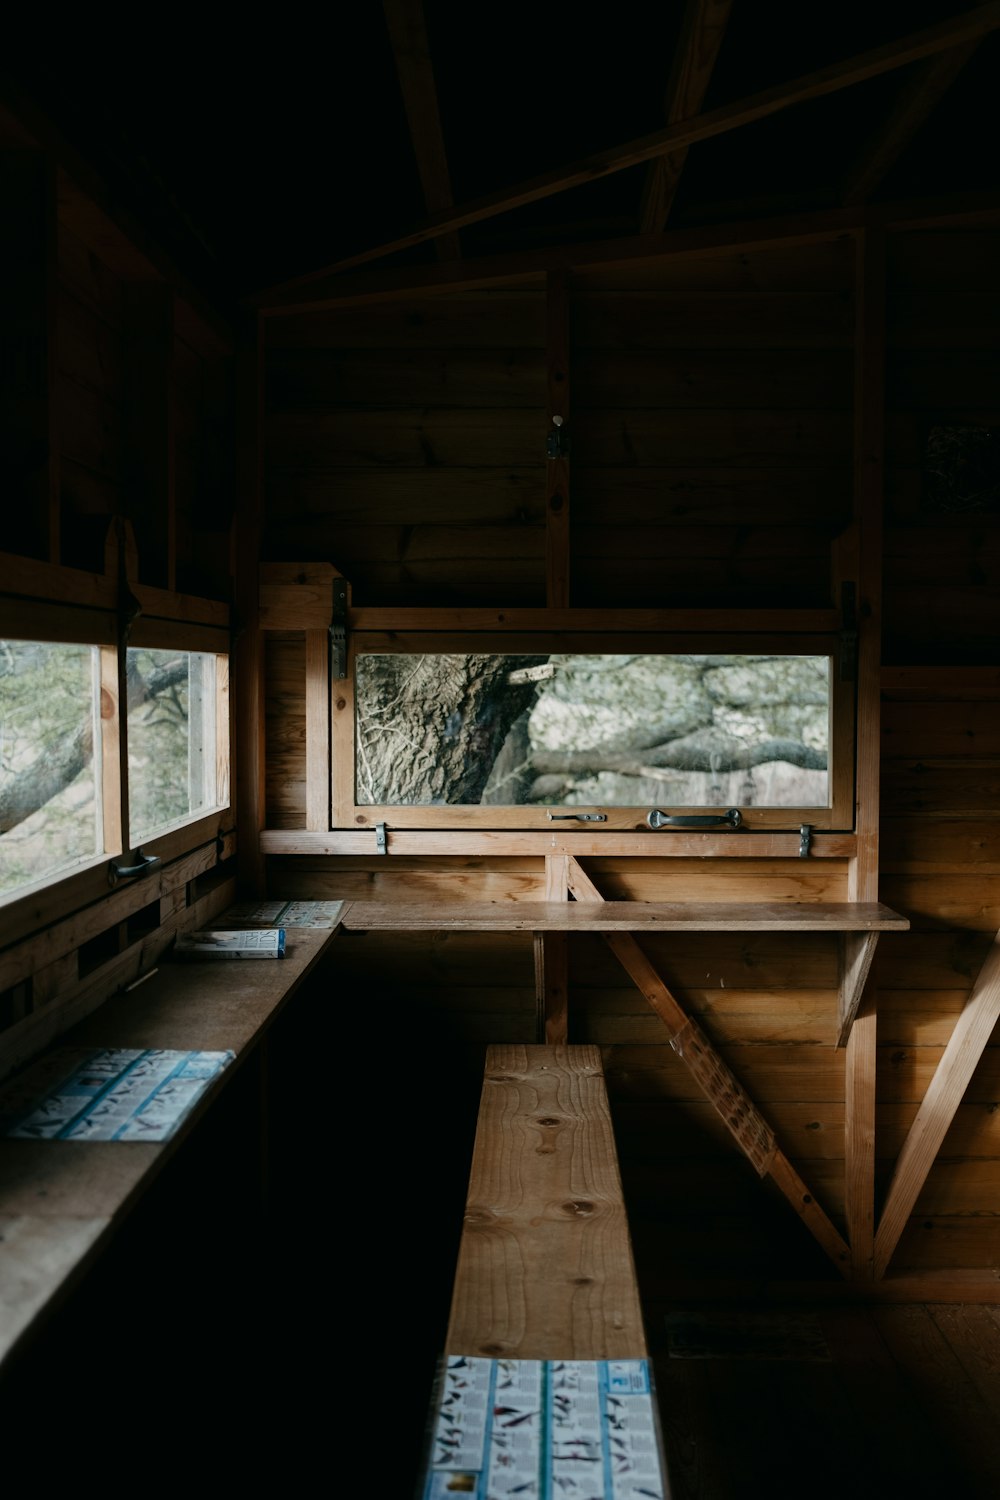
(259, 158)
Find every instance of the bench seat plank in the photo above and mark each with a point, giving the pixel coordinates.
(545, 1268)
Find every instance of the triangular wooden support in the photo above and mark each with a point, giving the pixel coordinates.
(721, 1088)
(944, 1094)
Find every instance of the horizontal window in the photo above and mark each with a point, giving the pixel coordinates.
(446, 736)
(63, 747)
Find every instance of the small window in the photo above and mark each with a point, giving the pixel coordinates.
(50, 783)
(177, 739)
(503, 738)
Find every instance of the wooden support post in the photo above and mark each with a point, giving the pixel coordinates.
(28, 437)
(862, 880)
(318, 730)
(248, 654)
(552, 962)
(557, 562)
(151, 421)
(859, 1140)
(720, 1087)
(944, 1094)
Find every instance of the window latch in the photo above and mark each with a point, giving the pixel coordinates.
(146, 862)
(732, 819)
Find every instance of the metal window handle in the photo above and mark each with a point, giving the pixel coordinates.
(731, 819)
(118, 872)
(577, 817)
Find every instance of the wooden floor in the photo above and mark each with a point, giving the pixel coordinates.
(850, 1401)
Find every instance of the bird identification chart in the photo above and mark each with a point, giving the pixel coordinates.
(288, 913)
(107, 1094)
(544, 1430)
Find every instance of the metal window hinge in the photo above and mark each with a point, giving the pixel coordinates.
(805, 839)
(338, 629)
(848, 632)
(557, 445)
(381, 841)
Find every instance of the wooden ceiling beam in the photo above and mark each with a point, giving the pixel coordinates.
(702, 30)
(712, 239)
(921, 93)
(408, 37)
(871, 64)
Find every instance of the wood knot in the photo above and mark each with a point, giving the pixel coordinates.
(579, 1207)
(491, 1348)
(546, 1120)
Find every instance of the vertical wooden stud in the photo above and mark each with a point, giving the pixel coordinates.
(557, 467)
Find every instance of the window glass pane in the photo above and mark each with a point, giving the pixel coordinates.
(172, 771)
(50, 814)
(611, 731)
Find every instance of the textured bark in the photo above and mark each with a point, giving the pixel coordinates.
(430, 729)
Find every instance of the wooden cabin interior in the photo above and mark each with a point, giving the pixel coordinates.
(668, 332)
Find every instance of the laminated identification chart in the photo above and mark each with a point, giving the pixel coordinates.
(544, 1430)
(288, 913)
(107, 1094)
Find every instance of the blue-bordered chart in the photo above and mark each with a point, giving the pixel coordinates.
(544, 1430)
(107, 1093)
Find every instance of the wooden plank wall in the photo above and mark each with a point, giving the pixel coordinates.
(711, 465)
(132, 389)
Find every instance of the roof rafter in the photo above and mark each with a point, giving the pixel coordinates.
(926, 43)
(918, 97)
(411, 51)
(702, 30)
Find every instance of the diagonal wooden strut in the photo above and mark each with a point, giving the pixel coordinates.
(944, 1094)
(721, 1088)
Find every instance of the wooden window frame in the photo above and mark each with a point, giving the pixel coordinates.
(348, 814)
(66, 605)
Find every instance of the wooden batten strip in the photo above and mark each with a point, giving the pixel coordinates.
(723, 1091)
(317, 729)
(412, 841)
(557, 497)
(552, 961)
(937, 1110)
(248, 653)
(857, 951)
(859, 1139)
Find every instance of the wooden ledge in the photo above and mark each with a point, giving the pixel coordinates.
(61, 1201)
(621, 916)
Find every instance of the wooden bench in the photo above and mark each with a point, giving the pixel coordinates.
(546, 1369)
